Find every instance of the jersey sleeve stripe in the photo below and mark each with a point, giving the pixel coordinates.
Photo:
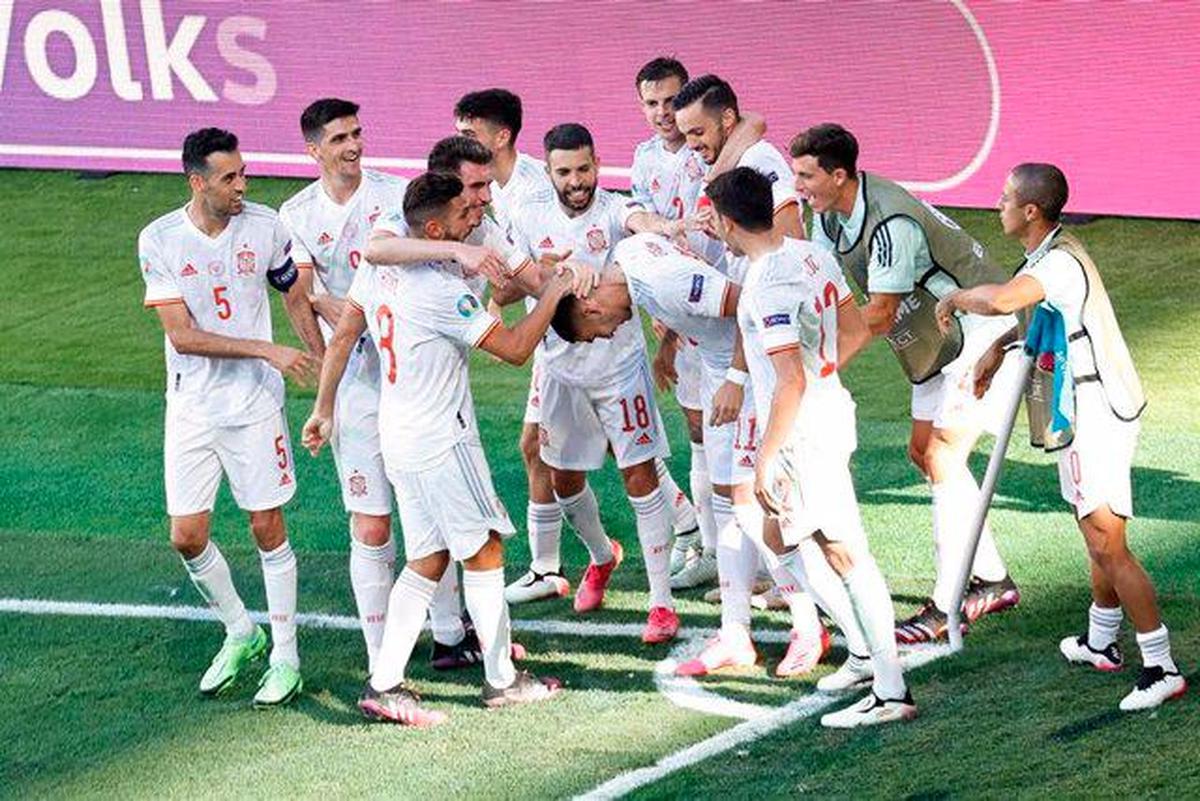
(791, 201)
(487, 332)
(520, 268)
(845, 300)
(783, 348)
(353, 303)
(162, 302)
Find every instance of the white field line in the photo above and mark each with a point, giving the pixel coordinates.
(760, 725)
(569, 628)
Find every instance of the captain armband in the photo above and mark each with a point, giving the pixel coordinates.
(283, 276)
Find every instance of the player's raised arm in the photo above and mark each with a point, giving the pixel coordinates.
(515, 345)
(751, 128)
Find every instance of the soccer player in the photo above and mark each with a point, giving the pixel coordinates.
(207, 266)
(668, 178)
(904, 255)
(599, 396)
(697, 301)
(493, 117)
(424, 320)
(1059, 279)
(788, 313)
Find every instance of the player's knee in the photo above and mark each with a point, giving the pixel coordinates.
(567, 483)
(939, 459)
(489, 557)
(916, 455)
(640, 479)
(430, 567)
(373, 530)
(267, 528)
(531, 448)
(1106, 548)
(189, 537)
(837, 555)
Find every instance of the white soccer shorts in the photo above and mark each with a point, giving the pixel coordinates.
(948, 399)
(533, 402)
(690, 381)
(256, 458)
(451, 506)
(580, 423)
(729, 449)
(1094, 470)
(355, 442)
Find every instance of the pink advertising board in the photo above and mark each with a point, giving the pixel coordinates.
(944, 95)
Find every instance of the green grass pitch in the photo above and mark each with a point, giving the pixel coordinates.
(108, 707)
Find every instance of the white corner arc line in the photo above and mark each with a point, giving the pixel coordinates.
(745, 732)
(989, 138)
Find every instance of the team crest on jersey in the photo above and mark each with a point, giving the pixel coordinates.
(216, 267)
(357, 484)
(596, 240)
(246, 262)
(692, 168)
(654, 248)
(188, 270)
(468, 305)
(324, 239)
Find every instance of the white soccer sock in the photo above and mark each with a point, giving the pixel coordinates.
(484, 591)
(737, 562)
(583, 512)
(279, 578)
(954, 502)
(683, 514)
(210, 574)
(804, 613)
(445, 609)
(1103, 625)
(654, 533)
(873, 606)
(371, 580)
(407, 605)
(1156, 649)
(702, 497)
(544, 523)
(827, 589)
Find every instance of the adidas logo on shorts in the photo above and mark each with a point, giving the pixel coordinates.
(644, 439)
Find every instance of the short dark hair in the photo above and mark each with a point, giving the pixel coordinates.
(567, 136)
(830, 144)
(427, 197)
(714, 93)
(500, 107)
(744, 195)
(1043, 185)
(320, 112)
(565, 320)
(660, 69)
(198, 145)
(449, 154)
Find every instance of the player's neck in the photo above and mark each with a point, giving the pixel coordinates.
(847, 198)
(341, 188)
(208, 224)
(757, 245)
(504, 161)
(1035, 234)
(673, 145)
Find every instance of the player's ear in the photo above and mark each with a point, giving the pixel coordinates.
(196, 182)
(433, 229)
(311, 147)
(728, 118)
(503, 137)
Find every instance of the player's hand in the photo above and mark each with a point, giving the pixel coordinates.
(727, 403)
(300, 365)
(584, 277)
(705, 218)
(945, 312)
(480, 260)
(663, 367)
(985, 369)
(769, 486)
(658, 328)
(550, 259)
(317, 431)
(328, 308)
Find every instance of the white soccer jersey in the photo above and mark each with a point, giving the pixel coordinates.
(541, 226)
(682, 291)
(333, 237)
(528, 180)
(424, 319)
(223, 282)
(790, 300)
(671, 185)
